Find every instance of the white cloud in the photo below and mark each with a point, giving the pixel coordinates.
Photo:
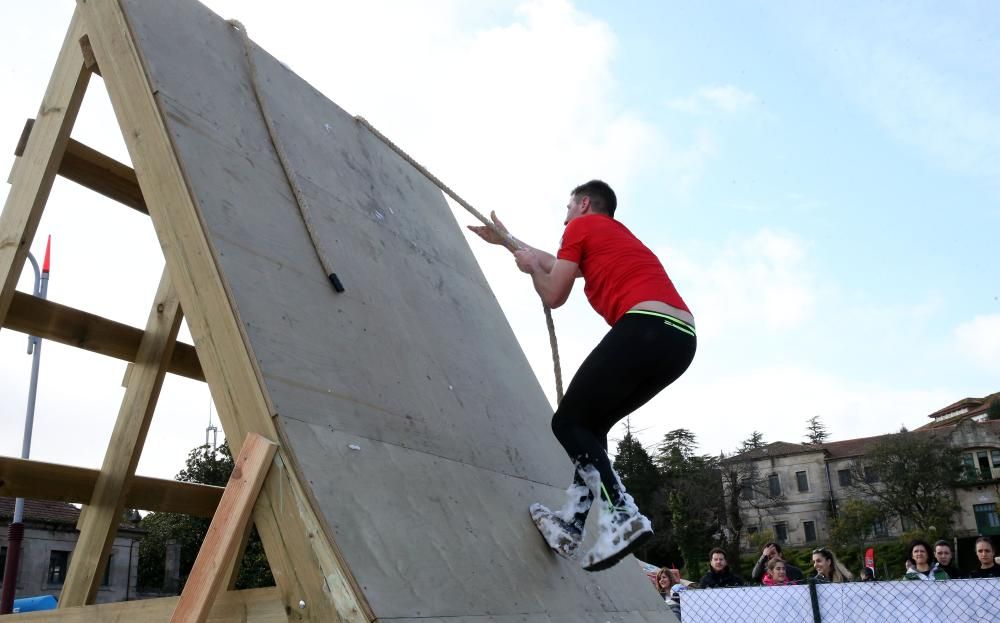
(761, 281)
(979, 339)
(724, 98)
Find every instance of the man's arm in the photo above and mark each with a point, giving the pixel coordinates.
(758, 569)
(553, 284)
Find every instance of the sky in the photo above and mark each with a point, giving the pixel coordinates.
(821, 181)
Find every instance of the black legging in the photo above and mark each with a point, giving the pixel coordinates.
(639, 356)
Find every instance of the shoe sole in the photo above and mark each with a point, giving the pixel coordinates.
(615, 558)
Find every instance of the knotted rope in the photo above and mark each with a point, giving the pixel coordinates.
(510, 243)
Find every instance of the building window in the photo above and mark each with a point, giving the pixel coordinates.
(803, 481)
(996, 458)
(844, 477)
(984, 465)
(752, 530)
(969, 467)
(58, 563)
(810, 528)
(781, 532)
(987, 520)
(773, 485)
(907, 524)
(871, 475)
(880, 528)
(106, 578)
(747, 490)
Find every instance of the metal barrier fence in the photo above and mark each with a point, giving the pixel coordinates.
(953, 601)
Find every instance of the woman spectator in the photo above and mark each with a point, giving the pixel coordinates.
(719, 575)
(988, 567)
(945, 556)
(664, 580)
(828, 568)
(776, 574)
(923, 569)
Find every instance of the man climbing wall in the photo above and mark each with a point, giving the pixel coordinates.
(651, 343)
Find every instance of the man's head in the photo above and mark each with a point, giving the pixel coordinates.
(772, 550)
(595, 196)
(943, 553)
(717, 559)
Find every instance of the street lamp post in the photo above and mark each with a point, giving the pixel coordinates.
(15, 531)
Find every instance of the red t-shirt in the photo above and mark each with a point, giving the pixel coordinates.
(618, 270)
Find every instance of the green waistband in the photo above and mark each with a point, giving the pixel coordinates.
(677, 323)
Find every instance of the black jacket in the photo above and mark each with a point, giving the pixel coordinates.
(954, 573)
(992, 572)
(720, 580)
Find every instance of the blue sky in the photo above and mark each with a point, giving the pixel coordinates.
(822, 182)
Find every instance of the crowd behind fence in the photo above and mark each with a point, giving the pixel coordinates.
(952, 601)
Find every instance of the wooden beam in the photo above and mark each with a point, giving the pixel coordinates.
(32, 180)
(92, 169)
(258, 605)
(300, 546)
(73, 327)
(37, 480)
(98, 523)
(225, 534)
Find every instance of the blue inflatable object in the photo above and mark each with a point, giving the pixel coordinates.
(34, 604)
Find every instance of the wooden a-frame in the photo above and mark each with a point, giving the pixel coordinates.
(313, 583)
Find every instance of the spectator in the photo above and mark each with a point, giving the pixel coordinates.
(719, 575)
(988, 567)
(945, 556)
(828, 568)
(867, 575)
(664, 580)
(923, 569)
(777, 574)
(773, 551)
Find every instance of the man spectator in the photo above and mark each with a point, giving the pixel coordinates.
(719, 574)
(945, 557)
(771, 551)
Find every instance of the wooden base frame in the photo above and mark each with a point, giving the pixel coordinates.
(313, 583)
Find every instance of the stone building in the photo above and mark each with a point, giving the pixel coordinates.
(794, 490)
(49, 538)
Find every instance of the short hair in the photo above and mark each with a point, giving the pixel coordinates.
(945, 543)
(920, 542)
(777, 546)
(717, 550)
(602, 198)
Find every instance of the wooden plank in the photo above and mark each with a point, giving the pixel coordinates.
(305, 563)
(33, 177)
(98, 523)
(74, 327)
(38, 480)
(92, 169)
(225, 534)
(259, 605)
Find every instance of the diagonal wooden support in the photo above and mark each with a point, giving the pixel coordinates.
(98, 523)
(32, 181)
(225, 535)
(305, 560)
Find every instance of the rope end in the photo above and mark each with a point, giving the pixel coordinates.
(335, 280)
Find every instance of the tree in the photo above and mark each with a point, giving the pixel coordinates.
(211, 467)
(816, 433)
(854, 525)
(677, 449)
(993, 411)
(911, 475)
(754, 441)
(636, 469)
(641, 479)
